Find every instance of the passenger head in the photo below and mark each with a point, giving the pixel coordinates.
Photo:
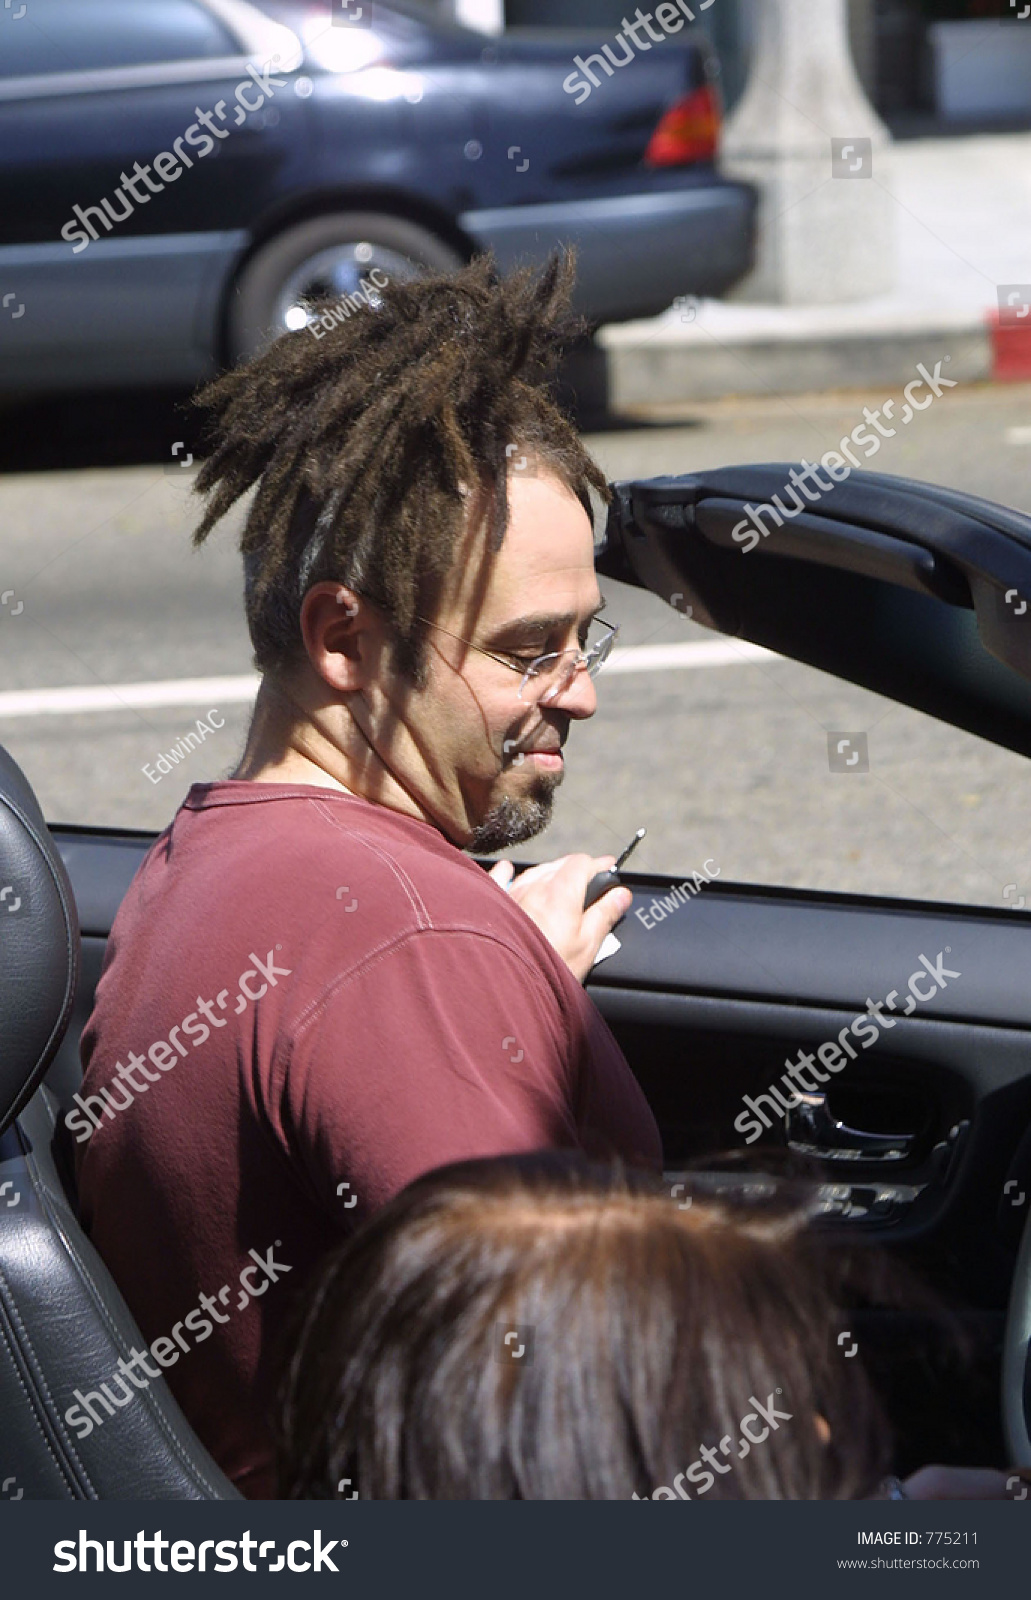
(422, 518)
(539, 1328)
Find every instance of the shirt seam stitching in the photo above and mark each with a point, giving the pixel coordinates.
(414, 897)
(373, 956)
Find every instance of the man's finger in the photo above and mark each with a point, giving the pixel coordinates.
(610, 906)
(542, 871)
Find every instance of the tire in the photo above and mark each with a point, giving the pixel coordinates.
(326, 256)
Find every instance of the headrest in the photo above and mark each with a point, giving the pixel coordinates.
(39, 943)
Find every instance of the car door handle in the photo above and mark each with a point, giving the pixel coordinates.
(813, 1130)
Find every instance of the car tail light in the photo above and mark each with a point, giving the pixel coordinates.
(689, 131)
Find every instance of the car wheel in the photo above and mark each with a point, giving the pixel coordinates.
(325, 259)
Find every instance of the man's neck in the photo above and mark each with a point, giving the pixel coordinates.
(290, 767)
(286, 745)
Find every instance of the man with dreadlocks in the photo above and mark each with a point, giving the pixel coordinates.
(324, 994)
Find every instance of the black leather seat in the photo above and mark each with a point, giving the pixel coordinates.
(63, 1324)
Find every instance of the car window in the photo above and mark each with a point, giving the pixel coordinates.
(43, 36)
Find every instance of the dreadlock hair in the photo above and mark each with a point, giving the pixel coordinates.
(365, 444)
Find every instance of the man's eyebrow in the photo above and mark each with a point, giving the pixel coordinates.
(543, 622)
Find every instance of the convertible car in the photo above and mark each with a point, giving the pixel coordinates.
(916, 1122)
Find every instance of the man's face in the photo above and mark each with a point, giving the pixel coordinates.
(480, 762)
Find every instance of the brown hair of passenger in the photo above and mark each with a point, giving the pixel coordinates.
(540, 1328)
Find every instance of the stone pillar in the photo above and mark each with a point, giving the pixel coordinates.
(805, 134)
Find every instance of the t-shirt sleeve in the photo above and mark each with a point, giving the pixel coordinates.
(613, 1118)
(444, 1047)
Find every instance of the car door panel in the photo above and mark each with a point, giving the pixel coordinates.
(712, 1003)
(107, 332)
(810, 946)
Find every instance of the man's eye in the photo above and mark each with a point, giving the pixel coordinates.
(524, 660)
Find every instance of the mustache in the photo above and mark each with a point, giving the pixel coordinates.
(549, 743)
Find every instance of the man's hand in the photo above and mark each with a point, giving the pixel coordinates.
(553, 895)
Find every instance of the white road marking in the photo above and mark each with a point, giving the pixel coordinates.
(241, 690)
(129, 696)
(701, 653)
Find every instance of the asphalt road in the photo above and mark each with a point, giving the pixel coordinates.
(721, 763)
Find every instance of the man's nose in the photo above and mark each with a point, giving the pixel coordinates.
(579, 699)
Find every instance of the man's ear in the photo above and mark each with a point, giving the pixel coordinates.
(341, 634)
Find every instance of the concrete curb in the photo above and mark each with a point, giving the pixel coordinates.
(714, 358)
(661, 370)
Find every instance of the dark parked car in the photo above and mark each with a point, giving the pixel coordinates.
(918, 1117)
(179, 177)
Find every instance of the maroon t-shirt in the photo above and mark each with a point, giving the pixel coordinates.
(311, 999)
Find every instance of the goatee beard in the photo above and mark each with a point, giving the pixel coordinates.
(514, 821)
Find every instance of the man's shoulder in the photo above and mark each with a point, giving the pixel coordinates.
(339, 862)
(247, 816)
(307, 828)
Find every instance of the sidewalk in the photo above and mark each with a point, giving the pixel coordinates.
(964, 228)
